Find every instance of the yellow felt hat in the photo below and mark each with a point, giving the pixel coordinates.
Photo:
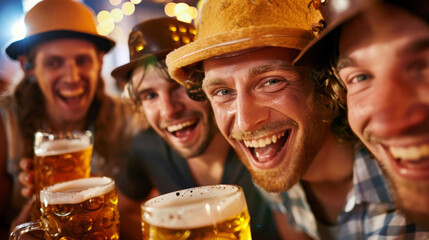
(52, 19)
(233, 25)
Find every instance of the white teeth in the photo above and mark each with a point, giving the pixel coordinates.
(67, 93)
(413, 153)
(180, 126)
(262, 142)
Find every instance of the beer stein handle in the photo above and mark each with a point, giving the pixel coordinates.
(23, 228)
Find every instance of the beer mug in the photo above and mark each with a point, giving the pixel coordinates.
(208, 212)
(78, 209)
(60, 157)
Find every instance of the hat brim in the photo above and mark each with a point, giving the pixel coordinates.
(23, 46)
(320, 48)
(123, 72)
(246, 38)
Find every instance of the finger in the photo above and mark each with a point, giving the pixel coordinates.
(26, 178)
(27, 192)
(26, 164)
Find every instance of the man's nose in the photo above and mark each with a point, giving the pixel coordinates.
(396, 106)
(169, 106)
(251, 113)
(71, 71)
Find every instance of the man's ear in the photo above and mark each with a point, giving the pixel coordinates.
(25, 64)
(100, 59)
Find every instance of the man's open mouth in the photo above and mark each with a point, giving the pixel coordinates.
(71, 96)
(182, 129)
(266, 148)
(411, 161)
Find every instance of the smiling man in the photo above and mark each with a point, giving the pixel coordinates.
(386, 73)
(187, 149)
(285, 122)
(61, 90)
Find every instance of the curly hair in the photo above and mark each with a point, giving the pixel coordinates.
(325, 84)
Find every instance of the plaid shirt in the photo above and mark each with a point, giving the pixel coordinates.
(369, 212)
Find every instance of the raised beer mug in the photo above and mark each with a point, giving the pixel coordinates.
(208, 212)
(78, 209)
(60, 157)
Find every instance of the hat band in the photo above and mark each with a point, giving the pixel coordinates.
(223, 44)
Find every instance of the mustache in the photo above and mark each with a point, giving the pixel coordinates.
(265, 130)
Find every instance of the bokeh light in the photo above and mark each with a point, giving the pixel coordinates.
(117, 14)
(180, 8)
(103, 16)
(128, 8)
(115, 2)
(136, 1)
(19, 30)
(169, 9)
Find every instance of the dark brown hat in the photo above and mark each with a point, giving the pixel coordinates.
(335, 13)
(155, 37)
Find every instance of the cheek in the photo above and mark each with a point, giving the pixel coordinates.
(357, 116)
(222, 118)
(151, 114)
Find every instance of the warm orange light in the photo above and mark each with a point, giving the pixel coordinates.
(169, 9)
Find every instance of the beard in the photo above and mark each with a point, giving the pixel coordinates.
(411, 198)
(290, 172)
(203, 145)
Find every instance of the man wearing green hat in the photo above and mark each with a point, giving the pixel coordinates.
(62, 90)
(285, 122)
(385, 71)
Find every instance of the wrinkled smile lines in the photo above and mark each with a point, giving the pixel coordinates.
(180, 126)
(265, 141)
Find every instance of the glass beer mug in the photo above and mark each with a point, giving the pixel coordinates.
(78, 209)
(208, 212)
(60, 157)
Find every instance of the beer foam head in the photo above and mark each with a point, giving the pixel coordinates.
(76, 191)
(47, 144)
(194, 207)
(61, 146)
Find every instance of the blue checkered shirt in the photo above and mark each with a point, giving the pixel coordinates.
(369, 212)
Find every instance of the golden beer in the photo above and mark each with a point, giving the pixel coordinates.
(60, 161)
(60, 157)
(81, 209)
(209, 212)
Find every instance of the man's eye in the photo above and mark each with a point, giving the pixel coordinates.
(148, 96)
(54, 63)
(272, 81)
(359, 78)
(83, 60)
(222, 92)
(272, 85)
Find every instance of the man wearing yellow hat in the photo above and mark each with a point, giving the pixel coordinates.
(183, 147)
(285, 122)
(62, 90)
(385, 72)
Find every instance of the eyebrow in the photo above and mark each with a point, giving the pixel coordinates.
(253, 72)
(343, 62)
(415, 46)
